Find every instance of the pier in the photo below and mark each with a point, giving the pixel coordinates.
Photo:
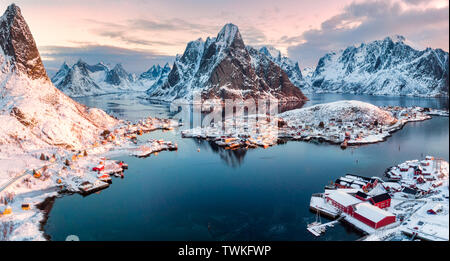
(317, 228)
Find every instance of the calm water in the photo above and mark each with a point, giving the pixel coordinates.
(240, 195)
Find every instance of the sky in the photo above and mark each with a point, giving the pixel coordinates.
(141, 33)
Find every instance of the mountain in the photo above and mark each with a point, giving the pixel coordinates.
(307, 75)
(34, 114)
(290, 67)
(83, 79)
(155, 75)
(223, 68)
(384, 67)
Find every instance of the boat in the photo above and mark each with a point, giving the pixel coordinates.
(316, 227)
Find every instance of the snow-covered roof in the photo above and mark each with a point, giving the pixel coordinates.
(371, 212)
(343, 198)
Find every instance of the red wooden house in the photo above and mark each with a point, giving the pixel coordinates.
(381, 201)
(418, 170)
(373, 216)
(342, 201)
(361, 196)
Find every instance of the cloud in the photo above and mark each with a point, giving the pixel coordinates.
(131, 31)
(368, 21)
(416, 2)
(174, 24)
(125, 37)
(135, 61)
(253, 36)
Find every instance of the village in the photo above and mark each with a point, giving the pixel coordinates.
(410, 203)
(50, 172)
(344, 123)
(66, 171)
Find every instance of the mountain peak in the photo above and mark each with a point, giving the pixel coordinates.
(80, 62)
(18, 43)
(13, 9)
(395, 38)
(118, 67)
(64, 66)
(228, 35)
(224, 68)
(270, 51)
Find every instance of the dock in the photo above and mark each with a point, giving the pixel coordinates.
(318, 203)
(96, 186)
(317, 228)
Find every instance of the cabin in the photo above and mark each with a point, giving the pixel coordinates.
(342, 201)
(425, 163)
(25, 206)
(420, 180)
(36, 174)
(404, 168)
(418, 170)
(381, 201)
(98, 168)
(410, 193)
(392, 186)
(5, 210)
(435, 209)
(361, 196)
(373, 216)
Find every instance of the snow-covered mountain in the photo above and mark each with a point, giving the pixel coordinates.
(155, 75)
(34, 114)
(289, 66)
(384, 67)
(223, 68)
(307, 75)
(83, 79)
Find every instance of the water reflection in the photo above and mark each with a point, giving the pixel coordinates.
(233, 158)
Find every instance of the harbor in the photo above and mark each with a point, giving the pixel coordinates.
(411, 205)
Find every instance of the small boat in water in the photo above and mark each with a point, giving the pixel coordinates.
(316, 227)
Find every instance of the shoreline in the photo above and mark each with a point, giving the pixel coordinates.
(45, 207)
(66, 172)
(248, 143)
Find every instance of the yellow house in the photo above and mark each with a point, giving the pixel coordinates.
(5, 210)
(26, 206)
(36, 174)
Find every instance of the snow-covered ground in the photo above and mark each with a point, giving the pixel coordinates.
(66, 170)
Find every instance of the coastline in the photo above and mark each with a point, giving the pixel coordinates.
(45, 207)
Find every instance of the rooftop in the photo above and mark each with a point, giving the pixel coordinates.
(343, 198)
(371, 212)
